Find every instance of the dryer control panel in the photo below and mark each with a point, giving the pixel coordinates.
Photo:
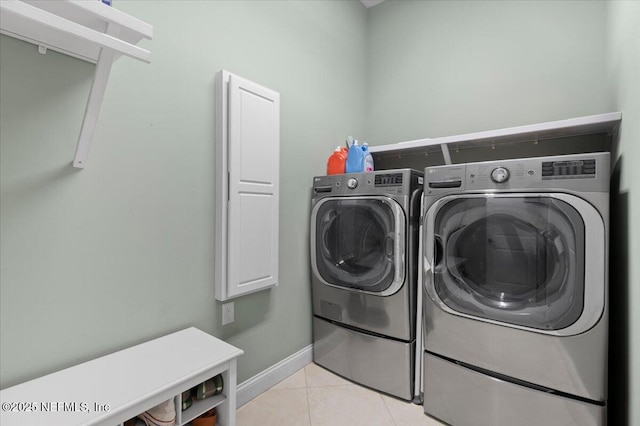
(579, 169)
(579, 172)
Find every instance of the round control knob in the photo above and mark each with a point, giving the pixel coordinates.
(352, 183)
(500, 174)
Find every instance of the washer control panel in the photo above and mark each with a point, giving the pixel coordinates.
(390, 182)
(388, 179)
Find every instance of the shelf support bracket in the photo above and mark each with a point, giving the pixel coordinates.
(96, 95)
(445, 153)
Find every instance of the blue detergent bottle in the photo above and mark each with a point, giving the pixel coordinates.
(355, 159)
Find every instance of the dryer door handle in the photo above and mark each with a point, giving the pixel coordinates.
(438, 253)
(388, 246)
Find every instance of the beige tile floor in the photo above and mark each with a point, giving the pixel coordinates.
(314, 396)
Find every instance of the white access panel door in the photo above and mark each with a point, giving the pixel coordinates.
(250, 254)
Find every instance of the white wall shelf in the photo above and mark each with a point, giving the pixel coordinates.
(130, 382)
(602, 123)
(87, 30)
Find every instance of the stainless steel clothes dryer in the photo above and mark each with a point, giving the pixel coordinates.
(364, 276)
(515, 280)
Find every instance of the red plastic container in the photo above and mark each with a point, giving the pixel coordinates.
(338, 161)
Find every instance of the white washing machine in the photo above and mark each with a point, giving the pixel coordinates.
(515, 291)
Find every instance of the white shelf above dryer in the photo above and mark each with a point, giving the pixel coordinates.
(600, 123)
(87, 30)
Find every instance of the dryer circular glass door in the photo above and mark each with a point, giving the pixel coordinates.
(358, 243)
(515, 259)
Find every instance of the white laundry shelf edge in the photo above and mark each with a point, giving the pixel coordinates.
(600, 123)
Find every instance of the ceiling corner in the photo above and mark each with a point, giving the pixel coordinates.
(370, 3)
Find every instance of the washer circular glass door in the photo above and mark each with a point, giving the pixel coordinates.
(358, 243)
(514, 259)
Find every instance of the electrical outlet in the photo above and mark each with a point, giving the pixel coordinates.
(227, 313)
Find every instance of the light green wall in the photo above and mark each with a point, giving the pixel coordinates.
(623, 60)
(121, 252)
(441, 68)
(99, 259)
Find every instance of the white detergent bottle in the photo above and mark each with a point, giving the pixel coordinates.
(368, 158)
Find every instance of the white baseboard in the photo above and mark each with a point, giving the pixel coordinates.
(273, 375)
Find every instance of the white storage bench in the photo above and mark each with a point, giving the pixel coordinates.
(114, 388)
